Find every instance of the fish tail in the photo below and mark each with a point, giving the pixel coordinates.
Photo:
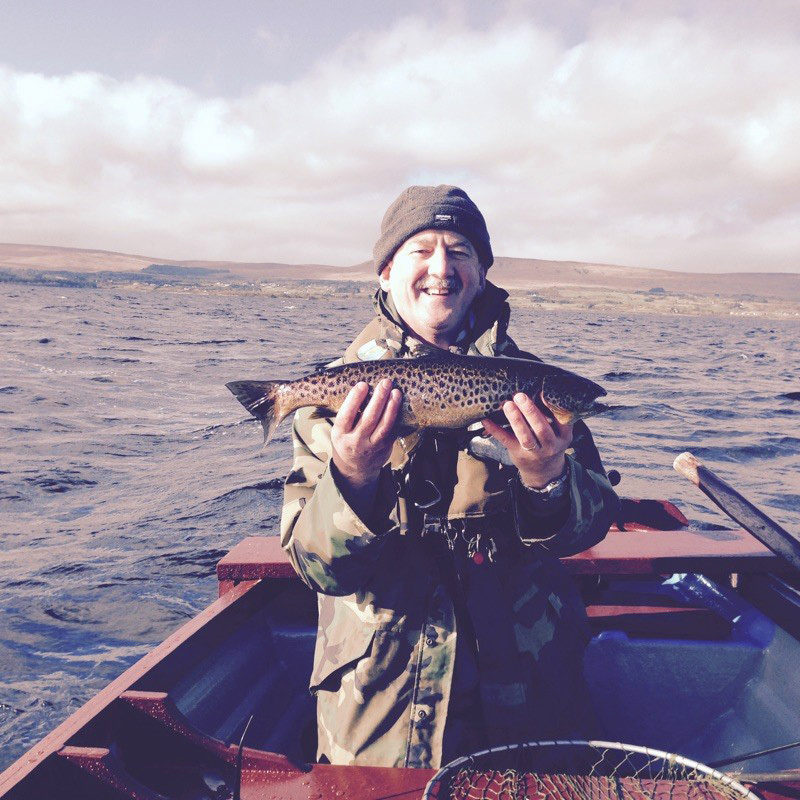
(262, 400)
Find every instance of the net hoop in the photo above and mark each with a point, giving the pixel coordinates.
(671, 758)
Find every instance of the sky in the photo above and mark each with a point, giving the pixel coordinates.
(651, 133)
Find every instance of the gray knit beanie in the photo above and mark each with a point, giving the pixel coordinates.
(422, 207)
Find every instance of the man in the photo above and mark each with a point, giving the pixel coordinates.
(446, 623)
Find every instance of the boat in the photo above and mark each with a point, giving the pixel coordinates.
(695, 647)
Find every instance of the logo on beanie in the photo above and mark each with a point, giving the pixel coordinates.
(441, 220)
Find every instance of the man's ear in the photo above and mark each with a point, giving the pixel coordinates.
(383, 278)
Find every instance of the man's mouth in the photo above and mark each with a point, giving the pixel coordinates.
(439, 289)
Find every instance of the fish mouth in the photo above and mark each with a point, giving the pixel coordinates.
(569, 416)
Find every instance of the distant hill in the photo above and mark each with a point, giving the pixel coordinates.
(179, 271)
(522, 272)
(512, 273)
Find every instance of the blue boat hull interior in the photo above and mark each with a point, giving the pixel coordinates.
(708, 697)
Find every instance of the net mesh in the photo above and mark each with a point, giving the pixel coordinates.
(583, 771)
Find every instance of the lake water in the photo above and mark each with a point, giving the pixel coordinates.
(127, 469)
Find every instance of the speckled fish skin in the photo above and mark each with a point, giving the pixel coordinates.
(448, 391)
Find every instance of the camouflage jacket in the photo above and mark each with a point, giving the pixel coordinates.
(397, 596)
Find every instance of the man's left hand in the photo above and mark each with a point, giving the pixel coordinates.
(535, 443)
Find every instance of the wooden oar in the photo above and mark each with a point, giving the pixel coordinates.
(741, 510)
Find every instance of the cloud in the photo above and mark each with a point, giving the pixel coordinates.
(658, 139)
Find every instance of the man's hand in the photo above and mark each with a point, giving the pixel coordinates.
(536, 444)
(363, 443)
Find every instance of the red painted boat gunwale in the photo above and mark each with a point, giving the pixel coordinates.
(628, 552)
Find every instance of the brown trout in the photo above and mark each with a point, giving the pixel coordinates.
(439, 391)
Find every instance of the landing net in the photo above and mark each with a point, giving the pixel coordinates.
(580, 770)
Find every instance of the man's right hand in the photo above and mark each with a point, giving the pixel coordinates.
(363, 443)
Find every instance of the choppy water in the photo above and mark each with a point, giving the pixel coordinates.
(127, 469)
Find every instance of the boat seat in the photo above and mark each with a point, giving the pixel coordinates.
(658, 621)
(104, 767)
(159, 707)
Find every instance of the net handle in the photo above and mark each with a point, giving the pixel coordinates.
(455, 765)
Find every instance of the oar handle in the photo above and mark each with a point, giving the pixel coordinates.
(739, 509)
(686, 464)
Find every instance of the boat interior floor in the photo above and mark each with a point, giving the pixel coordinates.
(683, 664)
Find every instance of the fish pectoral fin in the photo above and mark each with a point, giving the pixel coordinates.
(320, 412)
(552, 412)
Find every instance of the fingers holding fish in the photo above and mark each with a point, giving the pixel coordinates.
(536, 445)
(533, 427)
(362, 435)
(380, 411)
(351, 407)
(386, 423)
(375, 413)
(523, 422)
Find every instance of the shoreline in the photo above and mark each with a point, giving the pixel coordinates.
(547, 297)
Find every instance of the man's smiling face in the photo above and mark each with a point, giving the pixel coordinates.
(433, 278)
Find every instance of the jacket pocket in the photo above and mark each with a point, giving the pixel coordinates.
(332, 661)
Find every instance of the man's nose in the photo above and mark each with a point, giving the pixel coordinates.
(439, 262)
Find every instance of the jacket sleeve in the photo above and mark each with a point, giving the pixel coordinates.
(331, 548)
(588, 509)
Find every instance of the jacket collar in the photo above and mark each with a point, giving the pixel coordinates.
(486, 325)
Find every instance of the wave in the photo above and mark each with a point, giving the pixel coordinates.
(210, 341)
(110, 359)
(74, 614)
(209, 430)
(261, 486)
(618, 376)
(60, 482)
